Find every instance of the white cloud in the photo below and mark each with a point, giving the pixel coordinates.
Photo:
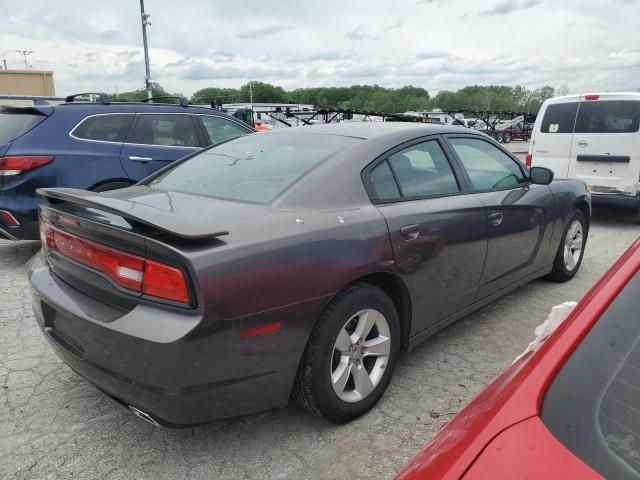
(333, 42)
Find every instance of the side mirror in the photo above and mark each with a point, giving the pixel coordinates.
(541, 175)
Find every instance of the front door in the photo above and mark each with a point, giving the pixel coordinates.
(438, 233)
(519, 214)
(156, 140)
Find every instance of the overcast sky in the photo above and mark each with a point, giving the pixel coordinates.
(436, 44)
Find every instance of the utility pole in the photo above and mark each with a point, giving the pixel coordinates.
(251, 94)
(145, 21)
(24, 53)
(5, 63)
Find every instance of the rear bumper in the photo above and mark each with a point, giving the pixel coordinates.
(615, 199)
(25, 211)
(181, 367)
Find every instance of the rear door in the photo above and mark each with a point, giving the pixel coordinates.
(606, 144)
(438, 232)
(156, 140)
(553, 134)
(519, 214)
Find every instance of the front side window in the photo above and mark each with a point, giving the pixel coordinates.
(609, 116)
(104, 128)
(488, 167)
(559, 118)
(423, 170)
(220, 129)
(167, 130)
(252, 168)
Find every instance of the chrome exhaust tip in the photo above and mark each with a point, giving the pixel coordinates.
(144, 416)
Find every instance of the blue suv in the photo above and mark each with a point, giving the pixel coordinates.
(94, 145)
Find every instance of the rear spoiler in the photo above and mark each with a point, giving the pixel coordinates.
(44, 110)
(134, 212)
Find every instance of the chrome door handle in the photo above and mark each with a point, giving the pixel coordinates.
(495, 218)
(410, 232)
(140, 159)
(582, 143)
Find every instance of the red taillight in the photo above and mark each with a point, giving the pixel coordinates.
(9, 219)
(17, 165)
(163, 281)
(127, 270)
(591, 98)
(528, 160)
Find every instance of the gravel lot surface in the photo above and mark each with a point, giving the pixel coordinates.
(53, 424)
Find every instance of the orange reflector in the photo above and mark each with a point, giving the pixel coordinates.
(261, 330)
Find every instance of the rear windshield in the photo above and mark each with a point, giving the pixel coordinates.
(12, 124)
(609, 116)
(593, 405)
(255, 168)
(559, 118)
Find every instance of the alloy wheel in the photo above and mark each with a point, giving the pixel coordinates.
(360, 355)
(573, 245)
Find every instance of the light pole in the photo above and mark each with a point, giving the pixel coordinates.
(25, 53)
(145, 21)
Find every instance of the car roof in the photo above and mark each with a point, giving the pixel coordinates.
(137, 107)
(370, 130)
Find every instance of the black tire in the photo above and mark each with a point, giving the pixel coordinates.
(507, 137)
(105, 187)
(560, 272)
(313, 388)
(499, 138)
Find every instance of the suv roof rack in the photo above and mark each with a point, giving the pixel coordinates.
(103, 98)
(183, 100)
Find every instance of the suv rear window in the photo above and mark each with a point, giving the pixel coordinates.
(608, 116)
(559, 118)
(253, 168)
(593, 403)
(14, 124)
(105, 128)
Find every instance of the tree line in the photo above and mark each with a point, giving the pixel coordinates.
(370, 97)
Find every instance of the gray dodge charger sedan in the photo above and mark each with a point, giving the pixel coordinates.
(297, 263)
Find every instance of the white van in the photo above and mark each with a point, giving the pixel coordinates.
(594, 138)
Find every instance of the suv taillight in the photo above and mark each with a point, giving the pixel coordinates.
(528, 160)
(16, 165)
(127, 270)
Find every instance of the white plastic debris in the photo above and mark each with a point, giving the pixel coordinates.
(543, 331)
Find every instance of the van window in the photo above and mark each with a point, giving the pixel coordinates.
(609, 116)
(559, 118)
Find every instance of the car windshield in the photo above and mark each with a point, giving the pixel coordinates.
(593, 405)
(254, 168)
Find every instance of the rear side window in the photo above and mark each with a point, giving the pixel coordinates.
(609, 116)
(559, 118)
(423, 170)
(384, 185)
(168, 130)
(104, 128)
(220, 129)
(488, 167)
(12, 125)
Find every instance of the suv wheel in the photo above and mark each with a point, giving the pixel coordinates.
(351, 355)
(571, 248)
